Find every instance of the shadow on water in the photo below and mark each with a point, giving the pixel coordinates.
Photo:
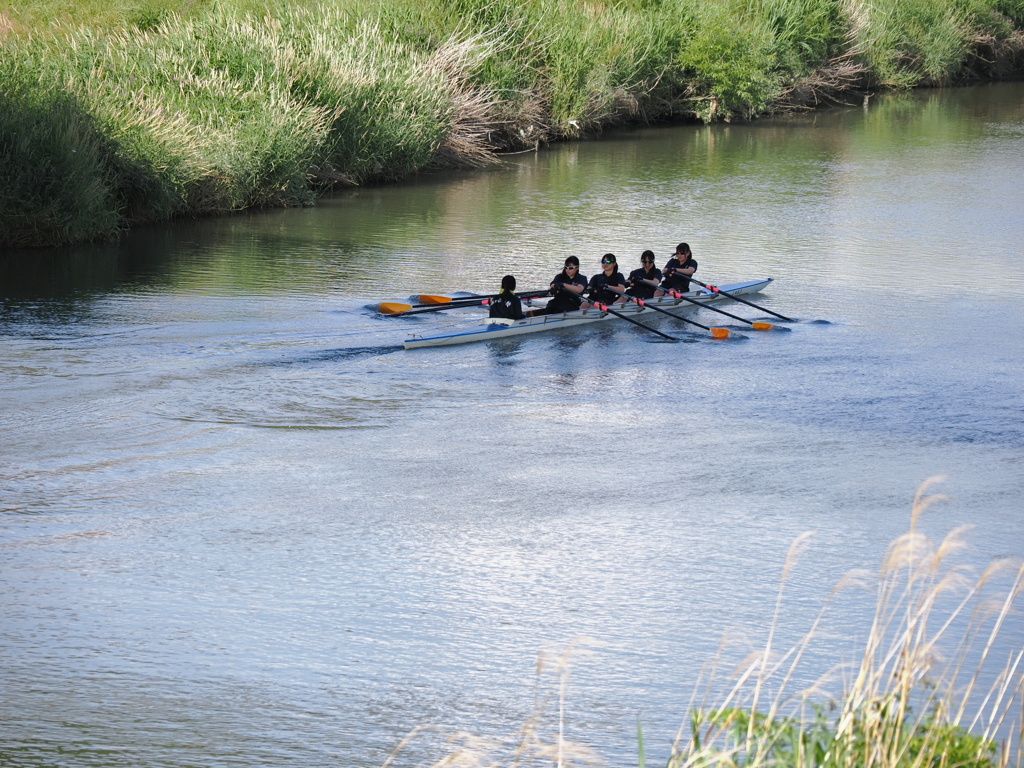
(248, 252)
(505, 352)
(341, 355)
(686, 337)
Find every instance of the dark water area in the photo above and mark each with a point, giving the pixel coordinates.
(241, 525)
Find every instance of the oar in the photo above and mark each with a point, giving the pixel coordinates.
(718, 333)
(757, 326)
(609, 310)
(716, 289)
(427, 299)
(395, 308)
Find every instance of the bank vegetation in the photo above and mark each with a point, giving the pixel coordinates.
(125, 112)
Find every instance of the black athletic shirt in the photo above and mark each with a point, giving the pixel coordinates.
(641, 289)
(566, 301)
(507, 305)
(599, 284)
(679, 283)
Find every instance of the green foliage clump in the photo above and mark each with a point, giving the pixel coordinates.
(54, 182)
(878, 735)
(1012, 9)
(805, 33)
(913, 42)
(730, 63)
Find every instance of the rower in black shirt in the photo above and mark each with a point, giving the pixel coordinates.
(507, 304)
(644, 282)
(608, 277)
(567, 287)
(679, 268)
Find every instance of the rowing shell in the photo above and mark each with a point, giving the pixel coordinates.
(501, 328)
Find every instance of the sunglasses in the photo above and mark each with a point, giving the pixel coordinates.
(604, 261)
(646, 261)
(571, 266)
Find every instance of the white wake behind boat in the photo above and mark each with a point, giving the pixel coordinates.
(492, 328)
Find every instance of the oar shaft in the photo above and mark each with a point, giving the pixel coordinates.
(606, 308)
(716, 289)
(609, 310)
(677, 295)
(472, 299)
(435, 305)
(718, 333)
(643, 303)
(443, 307)
(397, 308)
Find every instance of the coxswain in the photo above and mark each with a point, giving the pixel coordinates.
(678, 269)
(644, 282)
(506, 304)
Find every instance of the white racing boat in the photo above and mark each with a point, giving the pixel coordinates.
(491, 328)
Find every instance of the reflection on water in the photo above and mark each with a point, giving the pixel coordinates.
(239, 524)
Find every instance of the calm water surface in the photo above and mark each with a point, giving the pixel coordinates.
(241, 526)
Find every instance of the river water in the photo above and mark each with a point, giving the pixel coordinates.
(241, 525)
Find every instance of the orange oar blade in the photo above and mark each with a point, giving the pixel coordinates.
(426, 298)
(720, 333)
(393, 308)
(762, 326)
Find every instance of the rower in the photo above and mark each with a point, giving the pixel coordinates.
(644, 282)
(608, 285)
(678, 269)
(567, 287)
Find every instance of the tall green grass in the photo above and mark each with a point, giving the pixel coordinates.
(134, 111)
(218, 113)
(55, 182)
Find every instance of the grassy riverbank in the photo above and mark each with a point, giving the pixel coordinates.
(126, 112)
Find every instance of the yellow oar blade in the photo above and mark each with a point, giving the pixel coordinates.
(720, 333)
(426, 298)
(762, 326)
(393, 308)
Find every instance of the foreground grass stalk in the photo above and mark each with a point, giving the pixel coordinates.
(904, 707)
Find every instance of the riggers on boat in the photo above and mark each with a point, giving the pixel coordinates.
(499, 328)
